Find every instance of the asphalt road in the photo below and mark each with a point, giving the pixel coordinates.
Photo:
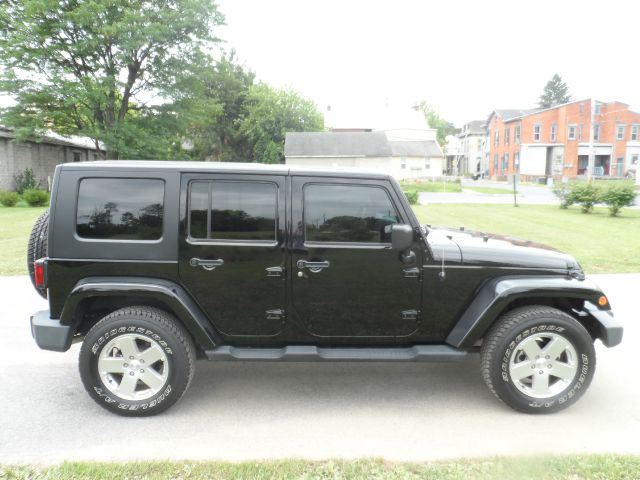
(237, 411)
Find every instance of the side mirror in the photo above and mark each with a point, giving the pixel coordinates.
(401, 237)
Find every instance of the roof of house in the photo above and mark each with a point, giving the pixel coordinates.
(336, 144)
(510, 114)
(57, 139)
(474, 127)
(415, 148)
(355, 144)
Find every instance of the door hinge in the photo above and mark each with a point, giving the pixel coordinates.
(409, 314)
(413, 272)
(275, 314)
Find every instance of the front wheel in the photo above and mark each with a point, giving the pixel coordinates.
(137, 361)
(538, 359)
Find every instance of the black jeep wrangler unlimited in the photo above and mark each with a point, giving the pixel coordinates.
(154, 264)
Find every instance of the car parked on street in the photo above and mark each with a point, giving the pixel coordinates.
(152, 265)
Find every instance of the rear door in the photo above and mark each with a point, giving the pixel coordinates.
(231, 252)
(347, 280)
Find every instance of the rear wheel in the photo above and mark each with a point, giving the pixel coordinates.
(37, 247)
(137, 361)
(538, 359)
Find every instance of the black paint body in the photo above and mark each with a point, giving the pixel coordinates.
(448, 288)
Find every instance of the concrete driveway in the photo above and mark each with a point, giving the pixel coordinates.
(237, 411)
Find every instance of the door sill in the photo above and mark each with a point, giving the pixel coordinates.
(308, 353)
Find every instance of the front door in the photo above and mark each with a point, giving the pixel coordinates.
(231, 251)
(347, 281)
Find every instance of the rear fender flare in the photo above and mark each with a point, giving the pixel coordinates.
(161, 290)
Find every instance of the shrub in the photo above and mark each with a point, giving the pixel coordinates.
(412, 196)
(584, 194)
(35, 197)
(9, 199)
(25, 181)
(618, 196)
(563, 192)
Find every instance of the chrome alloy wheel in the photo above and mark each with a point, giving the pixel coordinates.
(133, 367)
(543, 365)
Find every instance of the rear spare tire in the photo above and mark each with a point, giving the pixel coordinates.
(37, 248)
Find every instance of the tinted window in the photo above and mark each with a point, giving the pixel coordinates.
(335, 213)
(120, 208)
(233, 210)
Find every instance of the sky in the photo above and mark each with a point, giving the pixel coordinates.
(465, 58)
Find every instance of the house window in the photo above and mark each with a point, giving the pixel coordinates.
(537, 132)
(403, 162)
(505, 163)
(596, 132)
(77, 156)
(634, 132)
(597, 109)
(634, 159)
(427, 163)
(495, 163)
(571, 135)
(554, 132)
(496, 138)
(507, 134)
(516, 134)
(516, 161)
(620, 132)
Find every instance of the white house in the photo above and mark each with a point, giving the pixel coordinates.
(409, 158)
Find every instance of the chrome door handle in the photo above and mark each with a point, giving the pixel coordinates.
(314, 267)
(206, 264)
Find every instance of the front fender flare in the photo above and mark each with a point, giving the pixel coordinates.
(495, 295)
(165, 291)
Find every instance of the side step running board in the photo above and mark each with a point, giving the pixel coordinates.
(305, 353)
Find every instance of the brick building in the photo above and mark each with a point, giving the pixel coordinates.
(554, 142)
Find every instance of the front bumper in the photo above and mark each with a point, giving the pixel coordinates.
(610, 330)
(49, 334)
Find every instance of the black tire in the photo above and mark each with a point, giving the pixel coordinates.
(142, 325)
(37, 247)
(531, 328)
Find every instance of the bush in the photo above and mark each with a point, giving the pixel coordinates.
(412, 196)
(9, 199)
(618, 196)
(563, 192)
(35, 197)
(25, 181)
(584, 194)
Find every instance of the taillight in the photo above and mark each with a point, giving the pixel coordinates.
(38, 269)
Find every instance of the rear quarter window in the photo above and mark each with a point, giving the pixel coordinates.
(120, 209)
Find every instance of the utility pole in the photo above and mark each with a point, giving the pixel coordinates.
(592, 148)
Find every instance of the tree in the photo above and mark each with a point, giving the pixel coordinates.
(443, 128)
(270, 114)
(555, 93)
(226, 85)
(93, 67)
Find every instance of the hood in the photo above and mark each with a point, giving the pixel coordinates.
(485, 249)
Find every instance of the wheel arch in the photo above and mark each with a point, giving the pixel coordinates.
(94, 297)
(577, 298)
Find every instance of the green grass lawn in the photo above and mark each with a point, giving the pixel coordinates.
(602, 244)
(427, 186)
(544, 467)
(491, 190)
(15, 227)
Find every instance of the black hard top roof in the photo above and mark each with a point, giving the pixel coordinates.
(222, 167)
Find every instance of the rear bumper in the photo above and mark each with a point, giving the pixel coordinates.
(49, 334)
(610, 329)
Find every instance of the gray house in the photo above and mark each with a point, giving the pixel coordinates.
(402, 154)
(42, 156)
